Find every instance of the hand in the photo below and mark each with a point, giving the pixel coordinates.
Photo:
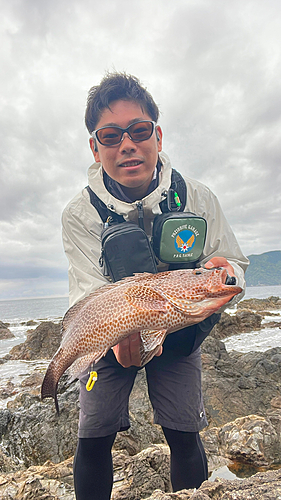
(220, 262)
(127, 352)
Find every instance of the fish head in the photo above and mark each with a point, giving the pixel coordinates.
(210, 285)
(198, 292)
(219, 282)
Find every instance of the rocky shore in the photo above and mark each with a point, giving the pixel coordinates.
(242, 394)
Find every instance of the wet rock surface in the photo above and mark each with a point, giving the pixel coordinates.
(5, 333)
(41, 343)
(263, 305)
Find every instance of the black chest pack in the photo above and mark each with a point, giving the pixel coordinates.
(178, 237)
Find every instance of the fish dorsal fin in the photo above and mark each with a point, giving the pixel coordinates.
(71, 313)
(74, 310)
(145, 297)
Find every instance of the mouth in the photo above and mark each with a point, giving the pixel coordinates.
(130, 163)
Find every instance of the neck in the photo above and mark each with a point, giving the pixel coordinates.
(131, 194)
(136, 193)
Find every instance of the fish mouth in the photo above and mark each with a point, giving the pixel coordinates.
(228, 282)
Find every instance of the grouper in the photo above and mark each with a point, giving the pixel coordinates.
(153, 304)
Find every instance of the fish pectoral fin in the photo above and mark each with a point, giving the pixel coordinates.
(184, 305)
(145, 297)
(151, 341)
(152, 338)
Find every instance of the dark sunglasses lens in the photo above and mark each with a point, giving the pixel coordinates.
(141, 131)
(109, 136)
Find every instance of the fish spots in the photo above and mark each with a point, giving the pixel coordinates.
(162, 302)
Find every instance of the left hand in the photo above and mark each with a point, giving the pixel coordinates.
(127, 352)
(220, 262)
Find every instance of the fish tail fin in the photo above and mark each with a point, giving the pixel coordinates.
(49, 386)
(56, 368)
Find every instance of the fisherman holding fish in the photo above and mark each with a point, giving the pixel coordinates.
(132, 176)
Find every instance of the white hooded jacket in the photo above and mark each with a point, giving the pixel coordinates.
(82, 228)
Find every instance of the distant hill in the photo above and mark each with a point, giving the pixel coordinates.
(264, 269)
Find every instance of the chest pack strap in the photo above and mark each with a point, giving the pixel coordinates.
(103, 211)
(177, 192)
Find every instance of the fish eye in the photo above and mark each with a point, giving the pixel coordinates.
(197, 272)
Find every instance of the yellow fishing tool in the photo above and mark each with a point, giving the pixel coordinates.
(93, 377)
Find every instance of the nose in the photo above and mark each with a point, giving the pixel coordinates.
(127, 144)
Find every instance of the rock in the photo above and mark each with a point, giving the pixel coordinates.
(34, 433)
(179, 495)
(251, 439)
(235, 384)
(7, 464)
(260, 304)
(241, 322)
(228, 325)
(47, 482)
(276, 402)
(5, 333)
(261, 486)
(31, 322)
(138, 476)
(249, 320)
(41, 343)
(8, 390)
(4, 325)
(33, 380)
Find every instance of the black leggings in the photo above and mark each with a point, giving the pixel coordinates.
(93, 470)
(189, 467)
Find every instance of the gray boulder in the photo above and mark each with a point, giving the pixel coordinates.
(41, 343)
(5, 333)
(235, 384)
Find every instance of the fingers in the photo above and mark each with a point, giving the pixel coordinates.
(159, 352)
(220, 262)
(127, 352)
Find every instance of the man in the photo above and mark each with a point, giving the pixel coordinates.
(131, 176)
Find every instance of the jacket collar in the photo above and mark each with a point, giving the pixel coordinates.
(153, 198)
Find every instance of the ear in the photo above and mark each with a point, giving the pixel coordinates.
(94, 148)
(159, 135)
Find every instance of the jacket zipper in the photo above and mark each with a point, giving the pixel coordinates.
(140, 214)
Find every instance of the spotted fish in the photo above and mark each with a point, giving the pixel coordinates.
(153, 304)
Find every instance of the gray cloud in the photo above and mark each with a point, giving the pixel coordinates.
(214, 70)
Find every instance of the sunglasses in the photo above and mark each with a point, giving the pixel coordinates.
(111, 136)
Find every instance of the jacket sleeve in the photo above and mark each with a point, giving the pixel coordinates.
(81, 230)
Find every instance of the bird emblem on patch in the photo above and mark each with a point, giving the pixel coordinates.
(185, 241)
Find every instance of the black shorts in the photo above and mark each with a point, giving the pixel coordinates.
(174, 386)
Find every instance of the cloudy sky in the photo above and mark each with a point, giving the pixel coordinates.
(213, 67)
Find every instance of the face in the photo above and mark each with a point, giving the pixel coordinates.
(132, 164)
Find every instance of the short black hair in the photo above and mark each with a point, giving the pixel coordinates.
(113, 87)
